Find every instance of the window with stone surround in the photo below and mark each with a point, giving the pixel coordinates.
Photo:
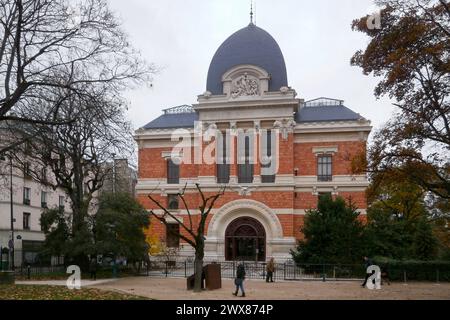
(172, 202)
(245, 170)
(223, 167)
(324, 167)
(26, 221)
(267, 152)
(173, 172)
(172, 238)
(44, 199)
(26, 196)
(324, 194)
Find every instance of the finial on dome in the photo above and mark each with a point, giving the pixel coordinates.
(251, 12)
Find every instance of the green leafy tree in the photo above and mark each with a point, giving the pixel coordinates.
(118, 227)
(333, 234)
(55, 226)
(387, 234)
(398, 220)
(424, 244)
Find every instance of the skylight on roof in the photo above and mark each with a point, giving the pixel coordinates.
(319, 102)
(179, 109)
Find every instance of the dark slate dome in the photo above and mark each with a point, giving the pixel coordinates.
(250, 45)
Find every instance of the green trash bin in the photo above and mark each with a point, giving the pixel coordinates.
(4, 265)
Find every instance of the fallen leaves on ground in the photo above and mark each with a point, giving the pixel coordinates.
(41, 292)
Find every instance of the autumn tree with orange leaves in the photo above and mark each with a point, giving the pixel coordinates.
(411, 55)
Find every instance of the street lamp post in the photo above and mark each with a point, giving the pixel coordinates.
(11, 197)
(114, 174)
(12, 209)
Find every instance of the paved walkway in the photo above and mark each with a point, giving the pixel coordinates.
(175, 289)
(84, 283)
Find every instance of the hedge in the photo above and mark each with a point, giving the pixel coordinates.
(414, 269)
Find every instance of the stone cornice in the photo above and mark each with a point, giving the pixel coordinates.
(333, 126)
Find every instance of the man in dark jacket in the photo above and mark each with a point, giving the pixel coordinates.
(367, 263)
(239, 281)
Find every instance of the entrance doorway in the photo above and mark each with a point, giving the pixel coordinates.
(245, 239)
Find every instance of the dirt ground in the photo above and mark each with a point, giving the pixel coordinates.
(175, 289)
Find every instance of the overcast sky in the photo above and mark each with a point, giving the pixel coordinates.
(181, 37)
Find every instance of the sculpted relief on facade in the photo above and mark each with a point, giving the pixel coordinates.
(245, 85)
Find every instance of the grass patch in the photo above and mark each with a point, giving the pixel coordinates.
(34, 292)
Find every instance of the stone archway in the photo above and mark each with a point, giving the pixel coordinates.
(223, 217)
(245, 239)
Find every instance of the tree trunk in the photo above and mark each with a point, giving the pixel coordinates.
(198, 266)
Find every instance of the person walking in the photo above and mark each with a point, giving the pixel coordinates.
(93, 269)
(239, 281)
(367, 263)
(270, 269)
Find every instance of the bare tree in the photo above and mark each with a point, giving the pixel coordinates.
(73, 156)
(195, 234)
(60, 44)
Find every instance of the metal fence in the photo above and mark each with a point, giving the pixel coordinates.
(24, 258)
(36, 271)
(254, 270)
(292, 271)
(257, 270)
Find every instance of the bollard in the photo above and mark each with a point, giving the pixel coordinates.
(114, 270)
(167, 271)
(323, 273)
(404, 278)
(28, 272)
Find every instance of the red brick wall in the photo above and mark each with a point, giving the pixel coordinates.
(287, 222)
(358, 198)
(306, 160)
(300, 155)
(152, 164)
(299, 220)
(286, 155)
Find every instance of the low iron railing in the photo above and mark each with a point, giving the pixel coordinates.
(257, 270)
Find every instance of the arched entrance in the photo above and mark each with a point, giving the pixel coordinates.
(245, 239)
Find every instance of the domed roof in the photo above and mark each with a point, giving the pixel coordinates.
(250, 45)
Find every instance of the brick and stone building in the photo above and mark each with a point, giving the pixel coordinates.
(311, 143)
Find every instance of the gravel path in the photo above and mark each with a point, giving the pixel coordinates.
(175, 289)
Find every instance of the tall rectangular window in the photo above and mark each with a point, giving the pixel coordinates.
(44, 174)
(223, 167)
(267, 178)
(172, 201)
(324, 168)
(173, 172)
(26, 170)
(26, 221)
(43, 199)
(26, 196)
(62, 200)
(172, 235)
(245, 170)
